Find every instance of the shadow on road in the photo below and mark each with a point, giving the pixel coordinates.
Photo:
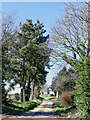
(43, 119)
(38, 114)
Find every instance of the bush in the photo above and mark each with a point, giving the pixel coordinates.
(66, 99)
(82, 88)
(17, 96)
(63, 111)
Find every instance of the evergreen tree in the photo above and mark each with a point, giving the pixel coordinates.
(34, 52)
(82, 86)
(31, 55)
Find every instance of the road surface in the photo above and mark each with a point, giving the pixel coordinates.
(44, 111)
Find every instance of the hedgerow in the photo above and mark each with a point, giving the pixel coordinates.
(82, 88)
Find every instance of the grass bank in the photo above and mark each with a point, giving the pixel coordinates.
(46, 95)
(13, 108)
(52, 97)
(69, 112)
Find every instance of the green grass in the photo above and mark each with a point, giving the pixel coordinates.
(57, 104)
(61, 110)
(52, 97)
(47, 95)
(13, 108)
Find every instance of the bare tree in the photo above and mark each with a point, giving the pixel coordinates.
(8, 37)
(69, 36)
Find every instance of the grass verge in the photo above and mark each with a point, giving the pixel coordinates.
(47, 95)
(52, 97)
(14, 108)
(63, 111)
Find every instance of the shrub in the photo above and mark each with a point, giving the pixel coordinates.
(82, 88)
(66, 99)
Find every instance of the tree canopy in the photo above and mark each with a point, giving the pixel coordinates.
(70, 34)
(25, 55)
(64, 81)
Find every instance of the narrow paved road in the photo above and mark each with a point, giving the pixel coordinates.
(44, 110)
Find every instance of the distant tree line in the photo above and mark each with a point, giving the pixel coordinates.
(64, 81)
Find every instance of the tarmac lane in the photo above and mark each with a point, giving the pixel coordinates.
(43, 111)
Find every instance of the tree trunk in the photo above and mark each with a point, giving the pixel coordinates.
(32, 91)
(27, 91)
(36, 92)
(57, 94)
(22, 94)
(23, 83)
